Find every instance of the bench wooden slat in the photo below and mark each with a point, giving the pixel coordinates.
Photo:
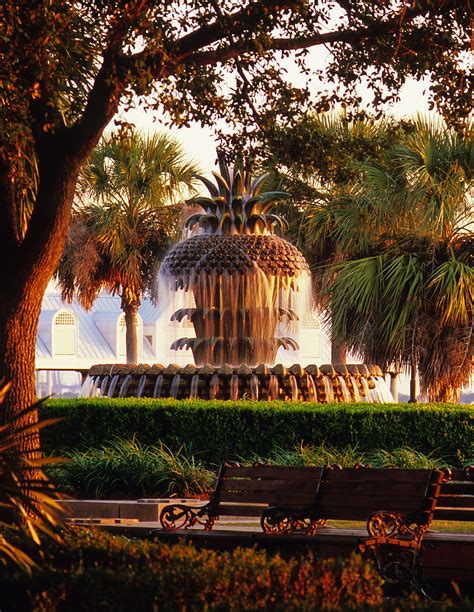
(457, 488)
(388, 489)
(448, 514)
(275, 471)
(369, 503)
(456, 501)
(377, 475)
(241, 509)
(458, 474)
(271, 486)
(275, 498)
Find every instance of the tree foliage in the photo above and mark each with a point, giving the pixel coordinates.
(406, 289)
(68, 64)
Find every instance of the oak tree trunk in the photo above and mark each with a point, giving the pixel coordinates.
(27, 267)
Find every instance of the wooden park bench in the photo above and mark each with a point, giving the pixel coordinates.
(248, 491)
(455, 505)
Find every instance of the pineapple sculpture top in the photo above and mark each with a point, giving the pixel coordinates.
(237, 205)
(244, 279)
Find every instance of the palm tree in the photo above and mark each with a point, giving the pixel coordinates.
(27, 498)
(126, 219)
(405, 295)
(322, 160)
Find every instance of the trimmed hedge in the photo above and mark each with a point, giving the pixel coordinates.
(215, 431)
(96, 571)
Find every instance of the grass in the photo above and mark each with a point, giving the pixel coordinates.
(349, 456)
(128, 468)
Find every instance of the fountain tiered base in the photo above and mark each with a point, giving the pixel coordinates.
(323, 384)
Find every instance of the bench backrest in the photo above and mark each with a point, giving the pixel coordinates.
(246, 491)
(456, 500)
(354, 494)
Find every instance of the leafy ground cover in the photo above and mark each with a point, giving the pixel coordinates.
(93, 570)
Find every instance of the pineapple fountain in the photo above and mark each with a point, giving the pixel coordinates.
(244, 288)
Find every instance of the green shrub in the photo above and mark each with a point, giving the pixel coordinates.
(96, 571)
(126, 467)
(215, 431)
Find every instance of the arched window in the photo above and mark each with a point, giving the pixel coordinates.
(64, 334)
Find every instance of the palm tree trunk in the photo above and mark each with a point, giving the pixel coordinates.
(131, 332)
(338, 351)
(413, 386)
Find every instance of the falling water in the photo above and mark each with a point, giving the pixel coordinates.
(273, 388)
(141, 385)
(103, 386)
(113, 385)
(158, 386)
(344, 390)
(254, 387)
(214, 387)
(311, 387)
(193, 393)
(234, 388)
(384, 394)
(94, 392)
(175, 386)
(87, 386)
(328, 389)
(124, 388)
(324, 384)
(237, 318)
(294, 388)
(355, 389)
(367, 390)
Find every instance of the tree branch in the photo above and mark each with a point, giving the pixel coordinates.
(104, 97)
(188, 51)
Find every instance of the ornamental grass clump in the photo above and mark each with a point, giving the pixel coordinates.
(406, 458)
(128, 468)
(350, 456)
(309, 455)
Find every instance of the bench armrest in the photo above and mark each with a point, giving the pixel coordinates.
(395, 525)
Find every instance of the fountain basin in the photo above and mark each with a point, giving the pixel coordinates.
(311, 383)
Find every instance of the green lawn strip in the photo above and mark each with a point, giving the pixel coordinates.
(440, 526)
